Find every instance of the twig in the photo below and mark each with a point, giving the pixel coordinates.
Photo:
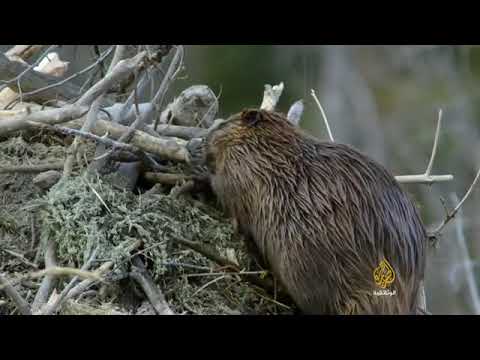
(54, 304)
(154, 295)
(451, 215)
(165, 178)
(295, 112)
(28, 95)
(13, 294)
(435, 144)
(423, 179)
(31, 168)
(118, 55)
(427, 178)
(182, 132)
(23, 52)
(73, 132)
(120, 71)
(212, 255)
(271, 96)
(209, 283)
(34, 80)
(167, 148)
(124, 248)
(59, 271)
(471, 282)
(21, 258)
(50, 116)
(323, 115)
(49, 280)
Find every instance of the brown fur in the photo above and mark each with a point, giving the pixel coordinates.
(322, 215)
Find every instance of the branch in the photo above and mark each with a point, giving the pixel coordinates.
(212, 255)
(469, 273)
(49, 280)
(13, 294)
(323, 115)
(120, 72)
(168, 148)
(427, 178)
(451, 215)
(51, 116)
(54, 304)
(29, 95)
(31, 168)
(295, 112)
(164, 178)
(271, 96)
(124, 248)
(155, 296)
(35, 80)
(23, 52)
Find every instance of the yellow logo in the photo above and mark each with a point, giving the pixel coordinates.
(384, 274)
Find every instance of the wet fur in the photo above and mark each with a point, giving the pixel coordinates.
(322, 215)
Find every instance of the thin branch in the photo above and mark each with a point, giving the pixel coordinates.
(450, 216)
(73, 132)
(212, 255)
(164, 178)
(119, 54)
(323, 115)
(28, 95)
(29, 68)
(13, 294)
(423, 179)
(471, 282)
(31, 168)
(35, 80)
(124, 248)
(23, 52)
(155, 296)
(121, 71)
(53, 305)
(50, 116)
(427, 178)
(49, 280)
(435, 144)
(167, 148)
(271, 96)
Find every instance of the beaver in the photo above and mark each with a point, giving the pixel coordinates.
(333, 226)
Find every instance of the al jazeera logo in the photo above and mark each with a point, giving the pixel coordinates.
(384, 276)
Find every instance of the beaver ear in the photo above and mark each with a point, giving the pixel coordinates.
(252, 117)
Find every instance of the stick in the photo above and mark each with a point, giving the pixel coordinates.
(167, 148)
(13, 294)
(49, 281)
(124, 248)
(51, 116)
(271, 96)
(31, 168)
(155, 296)
(451, 215)
(212, 255)
(54, 304)
(165, 178)
(323, 116)
(35, 80)
(471, 282)
(29, 95)
(23, 52)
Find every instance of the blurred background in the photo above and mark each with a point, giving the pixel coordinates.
(384, 100)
